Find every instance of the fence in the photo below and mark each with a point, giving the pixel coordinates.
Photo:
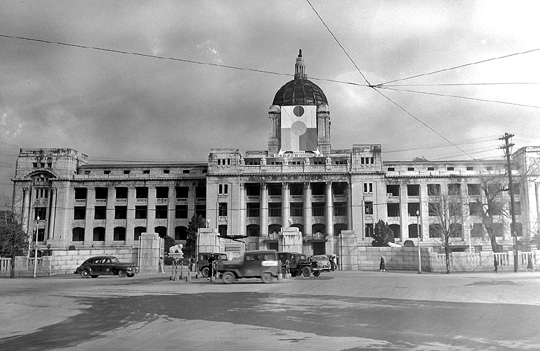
(5, 264)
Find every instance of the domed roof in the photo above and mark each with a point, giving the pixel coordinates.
(300, 91)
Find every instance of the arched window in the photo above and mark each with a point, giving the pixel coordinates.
(396, 228)
(99, 234)
(274, 228)
(338, 227)
(318, 228)
(119, 234)
(161, 231)
(413, 231)
(78, 234)
(180, 233)
(137, 232)
(253, 230)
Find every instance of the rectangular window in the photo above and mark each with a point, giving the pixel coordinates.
(317, 209)
(455, 209)
(181, 211)
(127, 171)
(274, 189)
(369, 230)
(222, 230)
(120, 212)
(449, 168)
(473, 189)
(410, 169)
(475, 209)
(222, 212)
(519, 229)
(434, 209)
(40, 213)
(253, 189)
(498, 229)
(517, 208)
(369, 208)
(182, 192)
(100, 212)
(340, 209)
(141, 212)
(146, 171)
(223, 189)
(121, 193)
(470, 168)
(412, 208)
(454, 189)
(477, 230)
(434, 189)
(79, 212)
(200, 191)
(297, 209)
(253, 209)
(392, 209)
(431, 168)
(368, 187)
(317, 189)
(392, 190)
(274, 209)
(80, 193)
(102, 193)
(162, 192)
(200, 210)
(413, 190)
(161, 212)
(297, 189)
(391, 169)
(141, 192)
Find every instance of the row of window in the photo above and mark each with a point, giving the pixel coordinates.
(253, 209)
(102, 193)
(453, 189)
(120, 212)
(119, 233)
(456, 230)
(454, 209)
(432, 168)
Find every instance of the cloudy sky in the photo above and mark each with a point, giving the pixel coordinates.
(121, 106)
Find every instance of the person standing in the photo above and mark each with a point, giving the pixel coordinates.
(211, 260)
(382, 265)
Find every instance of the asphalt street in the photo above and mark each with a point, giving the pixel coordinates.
(336, 311)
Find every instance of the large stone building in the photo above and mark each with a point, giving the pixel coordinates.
(298, 182)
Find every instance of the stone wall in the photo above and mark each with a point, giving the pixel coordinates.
(396, 258)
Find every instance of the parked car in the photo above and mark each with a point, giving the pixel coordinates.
(106, 265)
(296, 260)
(261, 264)
(202, 263)
(322, 262)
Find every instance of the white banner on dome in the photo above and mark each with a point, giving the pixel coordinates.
(298, 128)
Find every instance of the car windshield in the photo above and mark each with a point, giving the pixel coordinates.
(223, 257)
(320, 258)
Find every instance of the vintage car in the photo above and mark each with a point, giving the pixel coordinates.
(106, 265)
(296, 261)
(321, 262)
(261, 264)
(202, 263)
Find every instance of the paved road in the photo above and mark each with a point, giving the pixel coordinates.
(336, 311)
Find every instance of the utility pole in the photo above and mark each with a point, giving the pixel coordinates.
(506, 148)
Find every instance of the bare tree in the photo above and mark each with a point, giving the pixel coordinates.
(13, 240)
(449, 222)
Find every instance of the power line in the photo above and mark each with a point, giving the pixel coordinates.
(440, 146)
(460, 97)
(423, 123)
(337, 41)
(460, 66)
(459, 84)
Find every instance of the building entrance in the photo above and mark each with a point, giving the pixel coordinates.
(319, 248)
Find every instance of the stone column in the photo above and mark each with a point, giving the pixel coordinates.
(89, 217)
(151, 212)
(350, 207)
(242, 214)
(329, 210)
(307, 209)
(264, 210)
(109, 221)
(285, 206)
(26, 215)
(51, 213)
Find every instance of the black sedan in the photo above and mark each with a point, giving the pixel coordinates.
(106, 265)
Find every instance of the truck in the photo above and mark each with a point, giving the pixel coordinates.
(261, 264)
(300, 264)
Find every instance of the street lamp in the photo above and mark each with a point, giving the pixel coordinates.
(35, 246)
(418, 234)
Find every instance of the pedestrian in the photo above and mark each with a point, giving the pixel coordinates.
(530, 263)
(496, 264)
(211, 267)
(333, 262)
(382, 265)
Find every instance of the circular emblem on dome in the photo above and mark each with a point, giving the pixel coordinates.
(298, 111)
(298, 128)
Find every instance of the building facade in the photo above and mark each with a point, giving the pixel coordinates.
(298, 182)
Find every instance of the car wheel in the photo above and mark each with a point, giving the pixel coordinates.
(85, 273)
(267, 277)
(122, 273)
(205, 272)
(94, 275)
(306, 272)
(131, 275)
(228, 277)
(316, 273)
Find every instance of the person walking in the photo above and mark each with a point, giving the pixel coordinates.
(496, 264)
(382, 265)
